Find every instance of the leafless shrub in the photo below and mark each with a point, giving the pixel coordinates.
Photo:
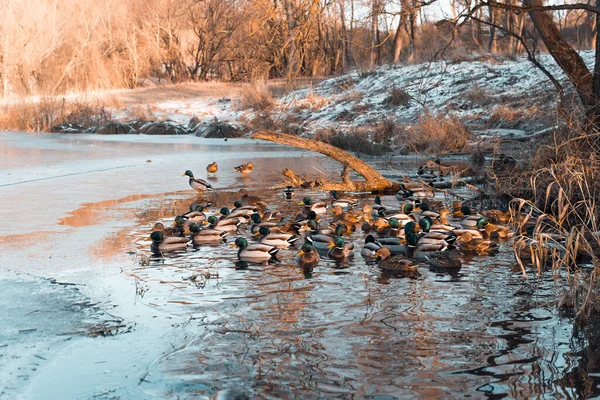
(476, 94)
(512, 117)
(257, 96)
(398, 97)
(352, 96)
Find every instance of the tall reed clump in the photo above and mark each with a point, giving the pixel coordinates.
(435, 134)
(557, 201)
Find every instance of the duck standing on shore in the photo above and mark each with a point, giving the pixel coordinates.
(244, 169)
(199, 185)
(212, 168)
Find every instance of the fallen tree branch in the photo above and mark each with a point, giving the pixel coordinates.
(374, 181)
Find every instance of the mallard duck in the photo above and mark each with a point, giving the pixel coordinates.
(212, 168)
(415, 191)
(468, 244)
(252, 201)
(342, 201)
(199, 185)
(352, 216)
(288, 193)
(197, 216)
(420, 251)
(308, 257)
(170, 231)
(448, 235)
(254, 252)
(497, 216)
(339, 251)
(200, 202)
(244, 169)
(396, 265)
(241, 215)
(371, 246)
(279, 240)
(319, 207)
(378, 206)
(322, 240)
(162, 244)
(226, 225)
(181, 225)
(469, 220)
(257, 223)
(350, 227)
(404, 215)
(206, 236)
(448, 260)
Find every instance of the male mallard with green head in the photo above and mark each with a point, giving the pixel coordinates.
(254, 252)
(339, 251)
(197, 184)
(162, 244)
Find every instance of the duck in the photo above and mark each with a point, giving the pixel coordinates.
(254, 252)
(226, 225)
(248, 210)
(288, 193)
(199, 185)
(279, 240)
(240, 215)
(468, 244)
(469, 220)
(257, 223)
(161, 244)
(404, 215)
(244, 169)
(212, 168)
(308, 256)
(426, 224)
(378, 206)
(322, 240)
(206, 236)
(252, 201)
(166, 231)
(371, 246)
(197, 215)
(497, 216)
(339, 251)
(396, 265)
(344, 202)
(318, 207)
(351, 216)
(420, 251)
(350, 227)
(181, 225)
(448, 260)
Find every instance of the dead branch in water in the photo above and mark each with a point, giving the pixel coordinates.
(374, 181)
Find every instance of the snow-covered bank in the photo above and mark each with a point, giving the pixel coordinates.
(485, 94)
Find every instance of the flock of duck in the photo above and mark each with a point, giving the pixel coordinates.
(397, 236)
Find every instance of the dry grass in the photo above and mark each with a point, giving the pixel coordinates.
(558, 197)
(256, 96)
(42, 115)
(512, 117)
(435, 134)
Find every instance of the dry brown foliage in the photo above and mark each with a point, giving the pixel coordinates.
(398, 97)
(257, 96)
(435, 134)
(557, 194)
(476, 94)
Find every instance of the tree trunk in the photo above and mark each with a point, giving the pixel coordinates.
(374, 181)
(291, 22)
(399, 37)
(569, 60)
(374, 30)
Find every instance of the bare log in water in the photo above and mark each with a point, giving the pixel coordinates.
(374, 181)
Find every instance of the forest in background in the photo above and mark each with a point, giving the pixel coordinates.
(50, 47)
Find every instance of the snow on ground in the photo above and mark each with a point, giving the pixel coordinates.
(472, 90)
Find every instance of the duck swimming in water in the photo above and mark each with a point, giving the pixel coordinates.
(254, 252)
(161, 244)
